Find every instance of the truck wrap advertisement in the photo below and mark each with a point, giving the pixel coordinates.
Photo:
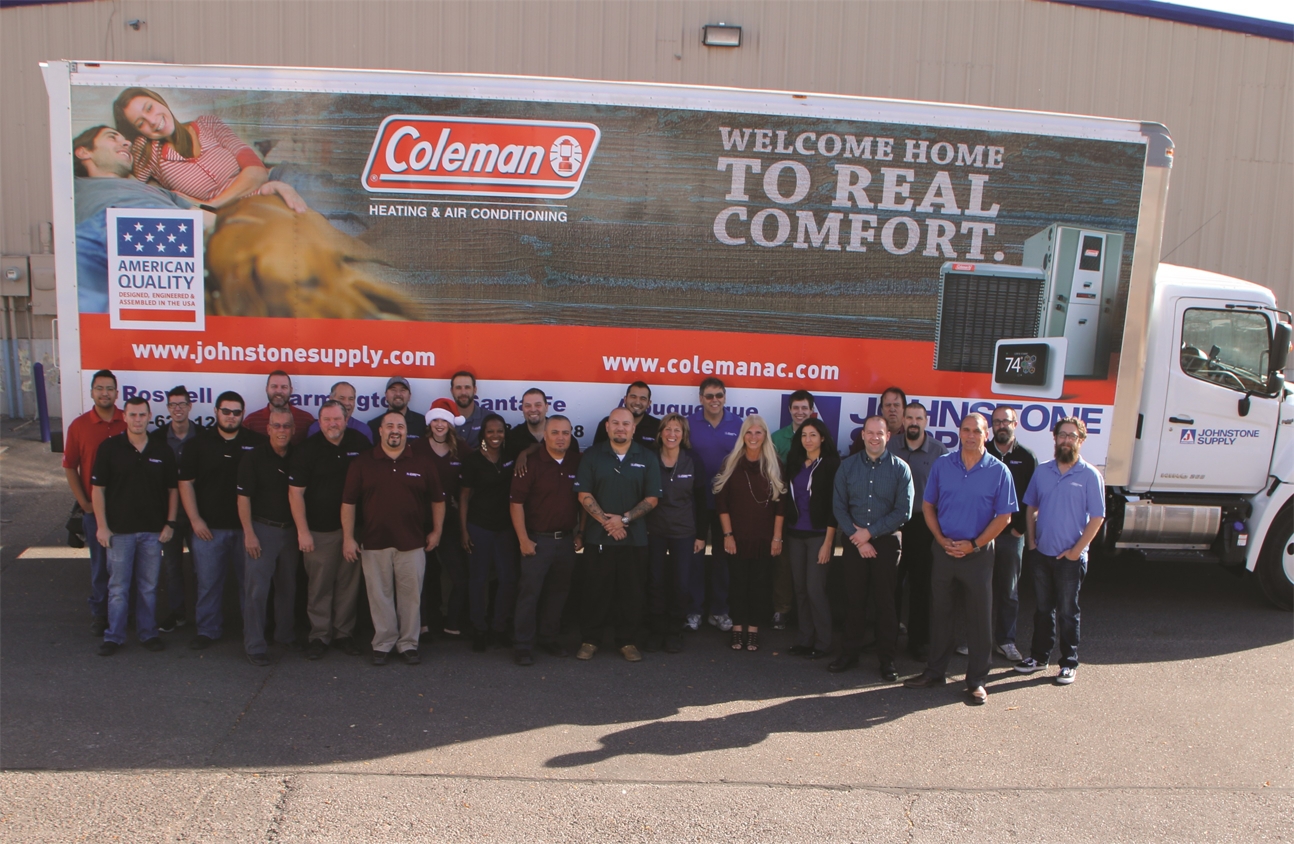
(579, 246)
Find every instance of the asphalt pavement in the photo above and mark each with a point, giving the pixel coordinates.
(1179, 728)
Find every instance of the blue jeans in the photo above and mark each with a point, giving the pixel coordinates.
(212, 560)
(1006, 585)
(492, 550)
(133, 557)
(669, 580)
(98, 567)
(1056, 582)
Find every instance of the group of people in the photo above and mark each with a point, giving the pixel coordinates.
(456, 523)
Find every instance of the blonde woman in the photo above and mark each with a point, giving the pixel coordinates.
(747, 494)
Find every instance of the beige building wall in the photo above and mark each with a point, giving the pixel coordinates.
(1225, 97)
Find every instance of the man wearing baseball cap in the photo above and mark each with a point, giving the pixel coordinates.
(398, 394)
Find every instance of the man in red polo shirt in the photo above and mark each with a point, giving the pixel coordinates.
(398, 491)
(278, 392)
(84, 435)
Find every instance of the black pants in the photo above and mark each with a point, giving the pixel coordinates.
(545, 581)
(875, 576)
(750, 589)
(448, 560)
(975, 573)
(914, 565)
(615, 586)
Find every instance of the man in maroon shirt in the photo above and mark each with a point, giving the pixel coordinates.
(400, 494)
(84, 436)
(545, 515)
(278, 392)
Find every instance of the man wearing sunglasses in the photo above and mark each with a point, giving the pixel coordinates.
(715, 433)
(209, 492)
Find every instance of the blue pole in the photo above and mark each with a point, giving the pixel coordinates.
(42, 402)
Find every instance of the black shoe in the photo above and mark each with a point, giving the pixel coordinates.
(800, 650)
(98, 625)
(172, 621)
(316, 649)
(480, 641)
(154, 644)
(452, 633)
(844, 662)
(258, 659)
(200, 642)
(411, 656)
(379, 657)
(554, 649)
(674, 643)
(924, 680)
(348, 646)
(817, 653)
(108, 648)
(887, 672)
(523, 658)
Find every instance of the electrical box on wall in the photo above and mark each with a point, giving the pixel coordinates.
(14, 276)
(43, 297)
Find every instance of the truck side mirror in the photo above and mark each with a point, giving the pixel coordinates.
(1280, 346)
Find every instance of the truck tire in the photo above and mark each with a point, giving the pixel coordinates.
(1276, 562)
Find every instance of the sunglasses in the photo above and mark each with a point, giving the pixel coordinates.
(712, 396)
(225, 411)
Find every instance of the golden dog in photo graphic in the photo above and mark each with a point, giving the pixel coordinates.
(267, 260)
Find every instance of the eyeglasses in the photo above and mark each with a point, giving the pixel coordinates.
(712, 396)
(1064, 435)
(176, 405)
(226, 411)
(279, 426)
(1003, 423)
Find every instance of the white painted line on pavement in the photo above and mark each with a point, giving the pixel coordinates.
(54, 552)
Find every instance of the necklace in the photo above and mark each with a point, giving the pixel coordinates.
(751, 487)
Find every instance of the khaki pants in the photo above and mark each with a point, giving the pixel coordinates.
(332, 588)
(394, 582)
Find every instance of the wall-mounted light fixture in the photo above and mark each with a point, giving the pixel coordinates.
(136, 23)
(721, 35)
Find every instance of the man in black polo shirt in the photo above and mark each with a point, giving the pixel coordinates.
(638, 402)
(209, 492)
(316, 480)
(398, 396)
(399, 490)
(269, 538)
(177, 433)
(1009, 544)
(134, 501)
(618, 484)
(545, 514)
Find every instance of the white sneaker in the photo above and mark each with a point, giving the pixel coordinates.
(722, 622)
(1066, 676)
(693, 621)
(1010, 652)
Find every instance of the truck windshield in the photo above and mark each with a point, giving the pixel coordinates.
(1229, 348)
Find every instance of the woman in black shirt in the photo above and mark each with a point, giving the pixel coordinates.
(487, 534)
(672, 532)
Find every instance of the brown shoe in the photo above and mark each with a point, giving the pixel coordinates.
(586, 651)
(924, 681)
(631, 653)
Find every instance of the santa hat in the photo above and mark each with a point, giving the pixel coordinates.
(444, 409)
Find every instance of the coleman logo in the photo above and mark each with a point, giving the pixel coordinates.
(464, 156)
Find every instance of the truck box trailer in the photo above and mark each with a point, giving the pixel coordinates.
(577, 236)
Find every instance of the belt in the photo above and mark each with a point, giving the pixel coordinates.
(268, 523)
(556, 534)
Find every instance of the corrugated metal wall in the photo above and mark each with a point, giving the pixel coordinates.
(1226, 97)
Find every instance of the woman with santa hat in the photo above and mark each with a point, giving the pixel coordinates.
(447, 562)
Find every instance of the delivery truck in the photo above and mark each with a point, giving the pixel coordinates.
(216, 223)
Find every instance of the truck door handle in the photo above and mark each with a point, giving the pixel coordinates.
(1181, 420)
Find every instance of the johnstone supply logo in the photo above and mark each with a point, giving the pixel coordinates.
(1218, 436)
(464, 156)
(155, 269)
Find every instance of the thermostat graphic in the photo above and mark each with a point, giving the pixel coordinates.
(1032, 366)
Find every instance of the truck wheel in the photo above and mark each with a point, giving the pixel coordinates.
(1275, 567)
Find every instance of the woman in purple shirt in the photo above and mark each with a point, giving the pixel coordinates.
(747, 494)
(811, 532)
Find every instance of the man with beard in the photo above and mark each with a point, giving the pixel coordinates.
(521, 438)
(209, 493)
(1006, 549)
(343, 392)
(278, 394)
(637, 402)
(462, 389)
(1066, 506)
(398, 395)
(618, 483)
(398, 490)
(969, 499)
(919, 450)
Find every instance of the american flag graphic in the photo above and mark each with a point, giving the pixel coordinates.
(152, 237)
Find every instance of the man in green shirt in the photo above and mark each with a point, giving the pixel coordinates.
(618, 484)
(801, 411)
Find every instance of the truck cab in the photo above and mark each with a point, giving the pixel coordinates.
(1213, 457)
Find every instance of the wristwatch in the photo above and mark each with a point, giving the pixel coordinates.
(974, 545)
(624, 519)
